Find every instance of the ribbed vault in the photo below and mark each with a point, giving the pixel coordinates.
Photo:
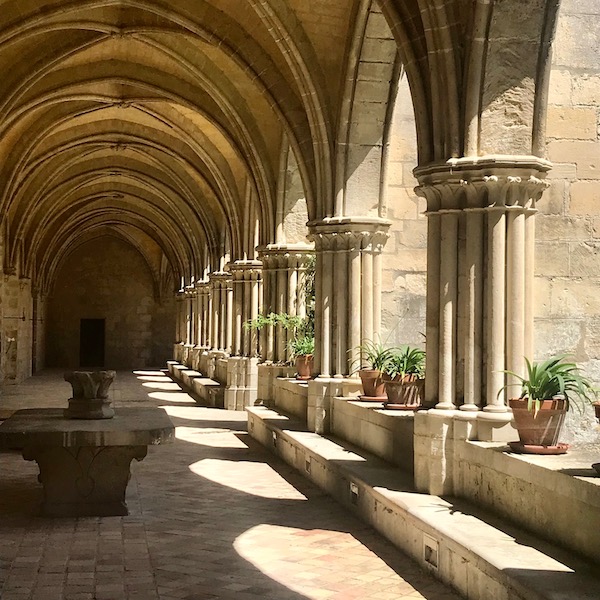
(164, 118)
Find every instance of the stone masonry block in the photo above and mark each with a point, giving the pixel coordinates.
(552, 259)
(585, 198)
(555, 228)
(571, 123)
(560, 90)
(585, 155)
(586, 90)
(585, 260)
(558, 336)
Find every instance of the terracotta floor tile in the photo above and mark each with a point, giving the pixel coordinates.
(213, 516)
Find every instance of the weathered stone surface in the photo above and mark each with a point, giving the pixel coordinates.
(552, 259)
(585, 198)
(48, 427)
(559, 336)
(572, 123)
(560, 88)
(90, 393)
(84, 464)
(585, 260)
(555, 228)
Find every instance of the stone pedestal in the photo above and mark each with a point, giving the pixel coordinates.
(84, 464)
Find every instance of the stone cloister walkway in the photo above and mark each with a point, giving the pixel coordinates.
(213, 516)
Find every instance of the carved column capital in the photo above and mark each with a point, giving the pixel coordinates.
(350, 234)
(480, 183)
(285, 256)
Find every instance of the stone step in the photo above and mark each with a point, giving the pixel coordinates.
(467, 548)
(205, 391)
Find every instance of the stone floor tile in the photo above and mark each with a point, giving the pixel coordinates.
(213, 516)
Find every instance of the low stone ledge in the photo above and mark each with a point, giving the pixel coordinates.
(387, 434)
(557, 497)
(291, 396)
(203, 390)
(479, 556)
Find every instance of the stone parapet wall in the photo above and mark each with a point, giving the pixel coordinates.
(567, 313)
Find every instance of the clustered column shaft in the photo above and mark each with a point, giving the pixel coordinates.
(479, 277)
(246, 277)
(348, 290)
(203, 313)
(284, 267)
(221, 302)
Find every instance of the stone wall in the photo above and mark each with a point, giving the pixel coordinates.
(16, 339)
(405, 255)
(568, 227)
(568, 230)
(109, 279)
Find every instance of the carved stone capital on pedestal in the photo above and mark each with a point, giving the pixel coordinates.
(90, 393)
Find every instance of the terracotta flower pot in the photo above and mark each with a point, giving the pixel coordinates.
(373, 383)
(597, 410)
(405, 394)
(544, 428)
(304, 366)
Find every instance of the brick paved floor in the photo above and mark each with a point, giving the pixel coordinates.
(213, 516)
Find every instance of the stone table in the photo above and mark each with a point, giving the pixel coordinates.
(84, 464)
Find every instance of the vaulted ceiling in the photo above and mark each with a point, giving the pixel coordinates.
(159, 120)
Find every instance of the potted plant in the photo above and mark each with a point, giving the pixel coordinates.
(302, 349)
(406, 370)
(301, 343)
(375, 358)
(548, 390)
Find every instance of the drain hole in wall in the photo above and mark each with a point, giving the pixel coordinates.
(430, 551)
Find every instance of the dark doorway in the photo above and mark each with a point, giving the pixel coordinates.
(91, 343)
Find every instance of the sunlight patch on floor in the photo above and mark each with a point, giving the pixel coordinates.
(168, 385)
(247, 477)
(212, 438)
(293, 565)
(177, 397)
(183, 412)
(156, 373)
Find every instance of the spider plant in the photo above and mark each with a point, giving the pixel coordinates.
(302, 346)
(553, 377)
(406, 361)
(375, 355)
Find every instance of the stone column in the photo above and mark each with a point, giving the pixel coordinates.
(189, 342)
(242, 366)
(283, 268)
(206, 313)
(480, 272)
(348, 284)
(222, 289)
(283, 271)
(246, 280)
(180, 325)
